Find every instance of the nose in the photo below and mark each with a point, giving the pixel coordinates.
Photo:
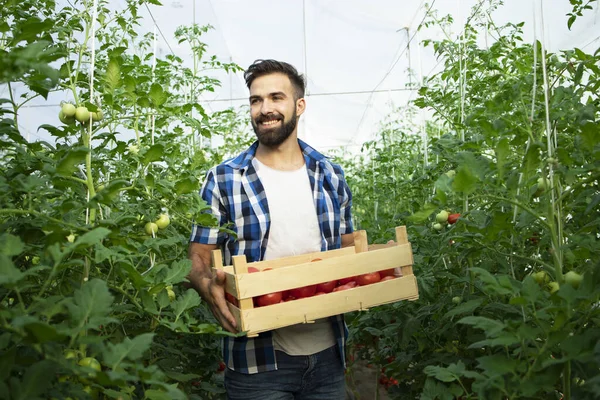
(266, 107)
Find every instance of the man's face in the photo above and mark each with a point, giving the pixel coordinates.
(273, 110)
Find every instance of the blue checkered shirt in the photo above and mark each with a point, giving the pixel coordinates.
(235, 195)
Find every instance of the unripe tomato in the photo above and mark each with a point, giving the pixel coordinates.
(97, 115)
(163, 221)
(64, 119)
(90, 362)
(68, 109)
(442, 216)
(573, 279)
(456, 299)
(540, 277)
(151, 228)
(437, 226)
(171, 294)
(82, 114)
(553, 286)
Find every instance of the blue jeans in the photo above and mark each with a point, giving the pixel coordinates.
(316, 377)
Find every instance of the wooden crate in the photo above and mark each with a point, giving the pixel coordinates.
(298, 271)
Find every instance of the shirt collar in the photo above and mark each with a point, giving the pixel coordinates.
(243, 160)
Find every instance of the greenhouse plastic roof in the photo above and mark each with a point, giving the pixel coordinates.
(354, 52)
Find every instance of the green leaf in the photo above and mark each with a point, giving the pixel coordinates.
(186, 185)
(465, 308)
(188, 300)
(158, 95)
(11, 245)
(423, 213)
(178, 271)
(90, 239)
(9, 274)
(441, 373)
(90, 306)
(71, 161)
(129, 349)
(497, 365)
(113, 75)
(37, 379)
(40, 331)
(491, 327)
(464, 181)
(154, 153)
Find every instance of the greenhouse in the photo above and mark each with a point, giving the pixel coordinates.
(453, 222)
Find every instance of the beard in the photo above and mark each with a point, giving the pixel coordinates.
(272, 137)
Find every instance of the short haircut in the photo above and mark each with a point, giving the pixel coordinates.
(266, 67)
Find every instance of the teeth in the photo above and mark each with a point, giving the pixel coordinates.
(272, 122)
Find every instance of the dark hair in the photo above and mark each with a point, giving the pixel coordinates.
(265, 67)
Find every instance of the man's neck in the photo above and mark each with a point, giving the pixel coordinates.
(285, 157)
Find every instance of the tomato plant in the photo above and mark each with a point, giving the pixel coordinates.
(498, 315)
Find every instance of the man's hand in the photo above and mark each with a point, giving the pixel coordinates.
(210, 284)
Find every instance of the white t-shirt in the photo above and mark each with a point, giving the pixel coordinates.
(294, 230)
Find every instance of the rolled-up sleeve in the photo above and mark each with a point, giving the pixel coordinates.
(211, 194)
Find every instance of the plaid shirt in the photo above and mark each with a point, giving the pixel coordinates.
(235, 194)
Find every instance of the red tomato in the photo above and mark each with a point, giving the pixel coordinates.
(267, 299)
(289, 298)
(347, 286)
(387, 278)
(344, 281)
(253, 269)
(230, 298)
(367, 279)
(305, 291)
(326, 287)
(452, 218)
(221, 366)
(387, 272)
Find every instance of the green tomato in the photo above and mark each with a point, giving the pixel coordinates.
(90, 362)
(97, 116)
(64, 119)
(540, 277)
(553, 286)
(442, 216)
(451, 173)
(70, 354)
(68, 109)
(542, 184)
(151, 228)
(456, 299)
(82, 114)
(437, 226)
(163, 221)
(573, 279)
(171, 294)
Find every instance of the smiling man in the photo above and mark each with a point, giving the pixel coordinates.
(283, 198)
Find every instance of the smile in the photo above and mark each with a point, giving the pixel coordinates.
(271, 122)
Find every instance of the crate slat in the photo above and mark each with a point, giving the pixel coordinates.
(309, 309)
(251, 285)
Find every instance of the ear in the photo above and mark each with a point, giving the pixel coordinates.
(300, 106)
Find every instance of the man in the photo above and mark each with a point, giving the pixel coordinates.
(283, 198)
